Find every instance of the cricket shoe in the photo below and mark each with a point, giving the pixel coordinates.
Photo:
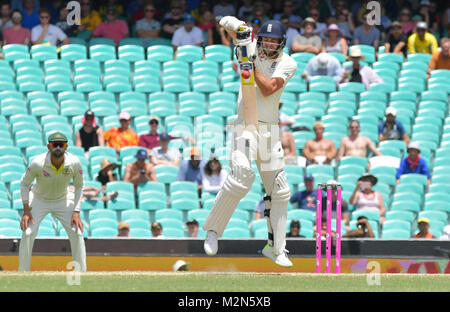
(210, 244)
(281, 259)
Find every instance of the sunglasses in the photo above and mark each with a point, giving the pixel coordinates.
(153, 122)
(44, 17)
(58, 144)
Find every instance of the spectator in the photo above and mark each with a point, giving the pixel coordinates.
(259, 210)
(189, 34)
(288, 144)
(223, 8)
(198, 12)
(259, 13)
(288, 11)
(61, 22)
(324, 64)
(308, 41)
(367, 34)
(157, 230)
(5, 19)
(334, 41)
(396, 40)
(148, 28)
(392, 129)
(213, 176)
(111, 4)
(427, 10)
(191, 170)
(46, 32)
(413, 163)
(112, 27)
(123, 136)
(360, 73)
(207, 27)
(291, 32)
(192, 226)
(54, 8)
(406, 21)
(363, 229)
(16, 34)
(446, 232)
(345, 23)
(18, 4)
(355, 144)
(140, 171)
(306, 199)
(134, 11)
(165, 155)
(90, 19)
(365, 198)
(424, 227)
(90, 133)
(345, 213)
(319, 150)
(294, 229)
(320, 27)
(106, 173)
(176, 20)
(245, 11)
(30, 14)
(440, 59)
(422, 41)
(124, 229)
(306, 8)
(91, 193)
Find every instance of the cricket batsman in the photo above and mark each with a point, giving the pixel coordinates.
(53, 172)
(272, 69)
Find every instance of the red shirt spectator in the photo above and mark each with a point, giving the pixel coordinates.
(151, 140)
(112, 28)
(16, 33)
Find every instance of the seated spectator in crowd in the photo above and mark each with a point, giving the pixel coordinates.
(324, 64)
(165, 155)
(355, 144)
(47, 33)
(106, 173)
(148, 28)
(396, 40)
(213, 176)
(192, 169)
(365, 198)
(422, 41)
(208, 28)
(5, 19)
(367, 34)
(224, 8)
(90, 134)
(363, 229)
(16, 34)
(308, 41)
(441, 58)
(176, 20)
(53, 6)
(61, 22)
(392, 129)
(90, 19)
(107, 5)
(124, 229)
(288, 11)
(291, 32)
(306, 199)
(428, 12)
(405, 18)
(189, 34)
(320, 27)
(319, 150)
(192, 226)
(157, 230)
(30, 14)
(140, 171)
(424, 226)
(244, 11)
(123, 136)
(112, 27)
(294, 229)
(345, 23)
(258, 13)
(201, 9)
(18, 4)
(135, 10)
(358, 72)
(413, 163)
(334, 40)
(345, 213)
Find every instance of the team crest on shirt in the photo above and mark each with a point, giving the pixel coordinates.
(45, 173)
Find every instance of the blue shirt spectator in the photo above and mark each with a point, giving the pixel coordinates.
(392, 129)
(306, 199)
(413, 163)
(17, 5)
(191, 170)
(30, 20)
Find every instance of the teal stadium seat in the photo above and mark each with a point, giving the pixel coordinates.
(160, 53)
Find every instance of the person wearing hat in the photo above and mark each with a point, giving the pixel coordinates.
(140, 171)
(413, 163)
(90, 134)
(294, 229)
(106, 173)
(308, 41)
(324, 64)
(366, 33)
(172, 20)
(359, 72)
(306, 199)
(422, 41)
(319, 150)
(365, 198)
(192, 169)
(334, 40)
(441, 58)
(165, 155)
(189, 34)
(192, 226)
(157, 229)
(124, 229)
(52, 172)
(396, 40)
(118, 137)
(112, 27)
(392, 129)
(424, 229)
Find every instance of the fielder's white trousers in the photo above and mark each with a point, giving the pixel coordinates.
(63, 211)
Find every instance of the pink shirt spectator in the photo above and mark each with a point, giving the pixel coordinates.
(114, 30)
(10, 35)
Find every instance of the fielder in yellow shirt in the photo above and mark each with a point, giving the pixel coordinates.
(422, 41)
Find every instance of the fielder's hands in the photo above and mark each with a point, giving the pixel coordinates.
(27, 217)
(76, 221)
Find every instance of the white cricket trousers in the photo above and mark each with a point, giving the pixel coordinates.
(63, 211)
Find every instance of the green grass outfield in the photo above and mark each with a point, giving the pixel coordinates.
(220, 282)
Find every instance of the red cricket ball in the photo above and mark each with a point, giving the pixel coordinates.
(246, 74)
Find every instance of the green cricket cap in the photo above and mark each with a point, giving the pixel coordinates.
(57, 137)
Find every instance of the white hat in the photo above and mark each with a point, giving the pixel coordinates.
(414, 145)
(322, 60)
(181, 265)
(422, 25)
(391, 110)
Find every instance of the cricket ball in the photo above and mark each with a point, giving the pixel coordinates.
(246, 74)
